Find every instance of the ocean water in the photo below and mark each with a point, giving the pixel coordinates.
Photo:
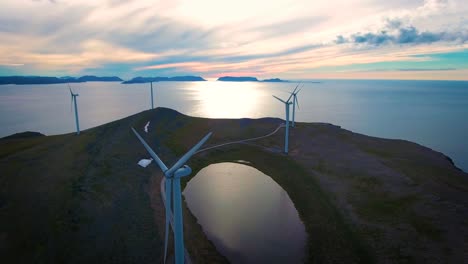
(431, 113)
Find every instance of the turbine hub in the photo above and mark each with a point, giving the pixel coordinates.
(182, 172)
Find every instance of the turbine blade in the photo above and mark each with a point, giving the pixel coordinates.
(151, 152)
(69, 88)
(300, 88)
(293, 92)
(279, 99)
(187, 155)
(296, 87)
(71, 104)
(297, 102)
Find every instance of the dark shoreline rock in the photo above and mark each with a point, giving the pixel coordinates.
(27, 134)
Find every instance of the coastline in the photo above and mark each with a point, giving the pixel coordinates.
(343, 184)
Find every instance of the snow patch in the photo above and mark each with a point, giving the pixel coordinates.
(145, 162)
(146, 126)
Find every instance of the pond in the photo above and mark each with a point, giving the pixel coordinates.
(246, 214)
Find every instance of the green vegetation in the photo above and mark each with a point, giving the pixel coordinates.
(83, 199)
(71, 199)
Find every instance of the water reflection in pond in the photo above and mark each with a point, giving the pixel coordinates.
(247, 215)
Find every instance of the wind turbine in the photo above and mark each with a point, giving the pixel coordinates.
(294, 95)
(172, 181)
(73, 100)
(152, 103)
(286, 135)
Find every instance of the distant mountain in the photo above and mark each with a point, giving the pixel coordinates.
(274, 80)
(247, 79)
(53, 80)
(237, 79)
(91, 78)
(29, 80)
(165, 79)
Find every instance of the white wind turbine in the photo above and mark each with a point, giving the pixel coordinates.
(172, 181)
(152, 103)
(295, 101)
(286, 135)
(73, 100)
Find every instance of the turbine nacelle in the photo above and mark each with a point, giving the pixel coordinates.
(295, 101)
(71, 92)
(182, 172)
(284, 102)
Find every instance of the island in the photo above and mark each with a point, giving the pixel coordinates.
(91, 78)
(274, 80)
(237, 79)
(54, 80)
(247, 79)
(165, 79)
(362, 199)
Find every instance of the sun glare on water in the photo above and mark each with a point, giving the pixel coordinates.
(227, 100)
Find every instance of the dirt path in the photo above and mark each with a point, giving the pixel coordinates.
(242, 141)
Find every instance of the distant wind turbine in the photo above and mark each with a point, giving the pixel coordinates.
(172, 181)
(73, 100)
(295, 101)
(286, 135)
(152, 103)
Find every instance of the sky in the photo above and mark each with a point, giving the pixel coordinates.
(301, 39)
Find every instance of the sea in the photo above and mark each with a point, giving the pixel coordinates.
(431, 113)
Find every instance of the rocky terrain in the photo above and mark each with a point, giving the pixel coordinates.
(84, 199)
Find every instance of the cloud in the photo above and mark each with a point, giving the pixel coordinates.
(118, 2)
(395, 33)
(50, 1)
(431, 6)
(210, 37)
(12, 64)
(420, 69)
(287, 27)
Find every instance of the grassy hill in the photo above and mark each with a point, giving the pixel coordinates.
(83, 199)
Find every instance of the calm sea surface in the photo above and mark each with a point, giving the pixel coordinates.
(431, 113)
(259, 226)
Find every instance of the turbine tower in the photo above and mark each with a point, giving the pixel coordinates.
(73, 101)
(286, 135)
(295, 101)
(152, 103)
(172, 183)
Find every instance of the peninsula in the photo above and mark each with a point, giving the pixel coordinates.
(54, 80)
(165, 79)
(84, 199)
(247, 79)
